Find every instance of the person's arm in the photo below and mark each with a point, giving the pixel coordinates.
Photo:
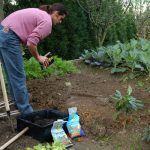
(42, 59)
(42, 30)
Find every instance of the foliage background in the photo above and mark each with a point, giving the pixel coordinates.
(76, 33)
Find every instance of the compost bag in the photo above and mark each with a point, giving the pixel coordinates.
(73, 124)
(59, 134)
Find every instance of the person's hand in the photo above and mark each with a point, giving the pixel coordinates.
(44, 61)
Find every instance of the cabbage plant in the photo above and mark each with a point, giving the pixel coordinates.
(127, 102)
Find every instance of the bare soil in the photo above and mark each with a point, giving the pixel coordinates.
(90, 91)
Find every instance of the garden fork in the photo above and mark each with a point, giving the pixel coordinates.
(6, 102)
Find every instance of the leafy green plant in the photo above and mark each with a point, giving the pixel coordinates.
(132, 56)
(147, 134)
(140, 83)
(127, 102)
(59, 67)
(130, 76)
(86, 55)
(114, 53)
(115, 70)
(32, 68)
(96, 56)
(56, 145)
(62, 67)
(135, 148)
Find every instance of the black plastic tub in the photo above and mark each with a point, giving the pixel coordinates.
(40, 123)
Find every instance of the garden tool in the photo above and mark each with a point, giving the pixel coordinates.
(6, 102)
(50, 59)
(14, 138)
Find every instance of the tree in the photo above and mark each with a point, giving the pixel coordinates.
(1, 10)
(123, 30)
(104, 14)
(142, 13)
(145, 25)
(67, 40)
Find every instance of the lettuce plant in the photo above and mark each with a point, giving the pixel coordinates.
(56, 145)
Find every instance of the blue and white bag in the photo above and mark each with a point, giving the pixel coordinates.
(73, 124)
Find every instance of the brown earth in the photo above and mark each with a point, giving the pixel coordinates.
(90, 91)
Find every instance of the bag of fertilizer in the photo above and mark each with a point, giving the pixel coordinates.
(59, 134)
(73, 124)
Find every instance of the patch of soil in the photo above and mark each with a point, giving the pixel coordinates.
(90, 91)
(43, 122)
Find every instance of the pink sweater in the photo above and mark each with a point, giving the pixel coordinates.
(31, 24)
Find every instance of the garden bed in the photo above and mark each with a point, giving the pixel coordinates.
(90, 91)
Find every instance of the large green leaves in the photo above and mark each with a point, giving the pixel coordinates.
(127, 102)
(134, 56)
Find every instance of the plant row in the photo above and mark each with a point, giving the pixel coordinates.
(59, 67)
(134, 56)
